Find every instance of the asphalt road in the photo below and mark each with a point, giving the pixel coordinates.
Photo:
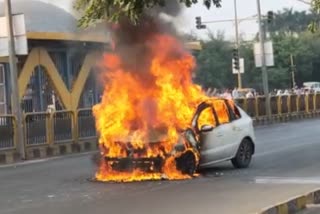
(286, 164)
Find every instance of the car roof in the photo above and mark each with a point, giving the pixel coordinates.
(209, 102)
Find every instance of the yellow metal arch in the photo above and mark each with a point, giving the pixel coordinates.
(88, 63)
(40, 56)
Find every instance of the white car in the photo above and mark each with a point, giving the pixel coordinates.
(312, 86)
(219, 131)
(229, 137)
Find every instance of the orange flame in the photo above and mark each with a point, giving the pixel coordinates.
(140, 111)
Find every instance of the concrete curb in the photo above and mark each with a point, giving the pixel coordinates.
(293, 205)
(11, 156)
(313, 197)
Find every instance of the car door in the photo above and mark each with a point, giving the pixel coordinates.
(214, 142)
(225, 129)
(237, 125)
(208, 133)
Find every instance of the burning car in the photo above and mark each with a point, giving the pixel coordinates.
(219, 131)
(153, 121)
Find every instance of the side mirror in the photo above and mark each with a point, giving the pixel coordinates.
(207, 128)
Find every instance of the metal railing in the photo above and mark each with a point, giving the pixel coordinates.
(36, 128)
(317, 101)
(63, 126)
(86, 123)
(291, 104)
(7, 131)
(59, 127)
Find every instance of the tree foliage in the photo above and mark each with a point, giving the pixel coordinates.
(290, 21)
(289, 36)
(315, 7)
(94, 11)
(214, 62)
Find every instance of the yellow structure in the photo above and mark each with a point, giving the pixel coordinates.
(53, 39)
(39, 56)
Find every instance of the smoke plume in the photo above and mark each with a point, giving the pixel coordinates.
(133, 41)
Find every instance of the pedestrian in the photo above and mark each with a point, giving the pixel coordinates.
(249, 94)
(227, 95)
(279, 92)
(286, 92)
(235, 93)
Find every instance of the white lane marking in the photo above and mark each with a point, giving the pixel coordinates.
(288, 180)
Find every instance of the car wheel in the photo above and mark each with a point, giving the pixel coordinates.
(244, 155)
(186, 163)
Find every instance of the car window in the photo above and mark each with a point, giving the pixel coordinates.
(206, 117)
(222, 111)
(234, 112)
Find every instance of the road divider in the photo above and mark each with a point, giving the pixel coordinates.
(294, 205)
(281, 105)
(283, 108)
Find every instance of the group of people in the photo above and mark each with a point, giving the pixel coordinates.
(294, 91)
(251, 93)
(231, 94)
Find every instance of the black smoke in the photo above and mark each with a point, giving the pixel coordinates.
(133, 40)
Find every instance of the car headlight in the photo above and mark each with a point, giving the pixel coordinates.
(191, 138)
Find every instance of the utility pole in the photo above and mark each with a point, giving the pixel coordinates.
(263, 61)
(15, 100)
(293, 70)
(237, 40)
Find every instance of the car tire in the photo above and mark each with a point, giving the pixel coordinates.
(186, 163)
(244, 155)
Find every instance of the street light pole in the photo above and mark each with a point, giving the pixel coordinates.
(237, 40)
(263, 62)
(293, 69)
(15, 100)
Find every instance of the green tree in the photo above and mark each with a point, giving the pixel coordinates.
(252, 77)
(289, 21)
(315, 8)
(96, 10)
(214, 63)
(308, 60)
